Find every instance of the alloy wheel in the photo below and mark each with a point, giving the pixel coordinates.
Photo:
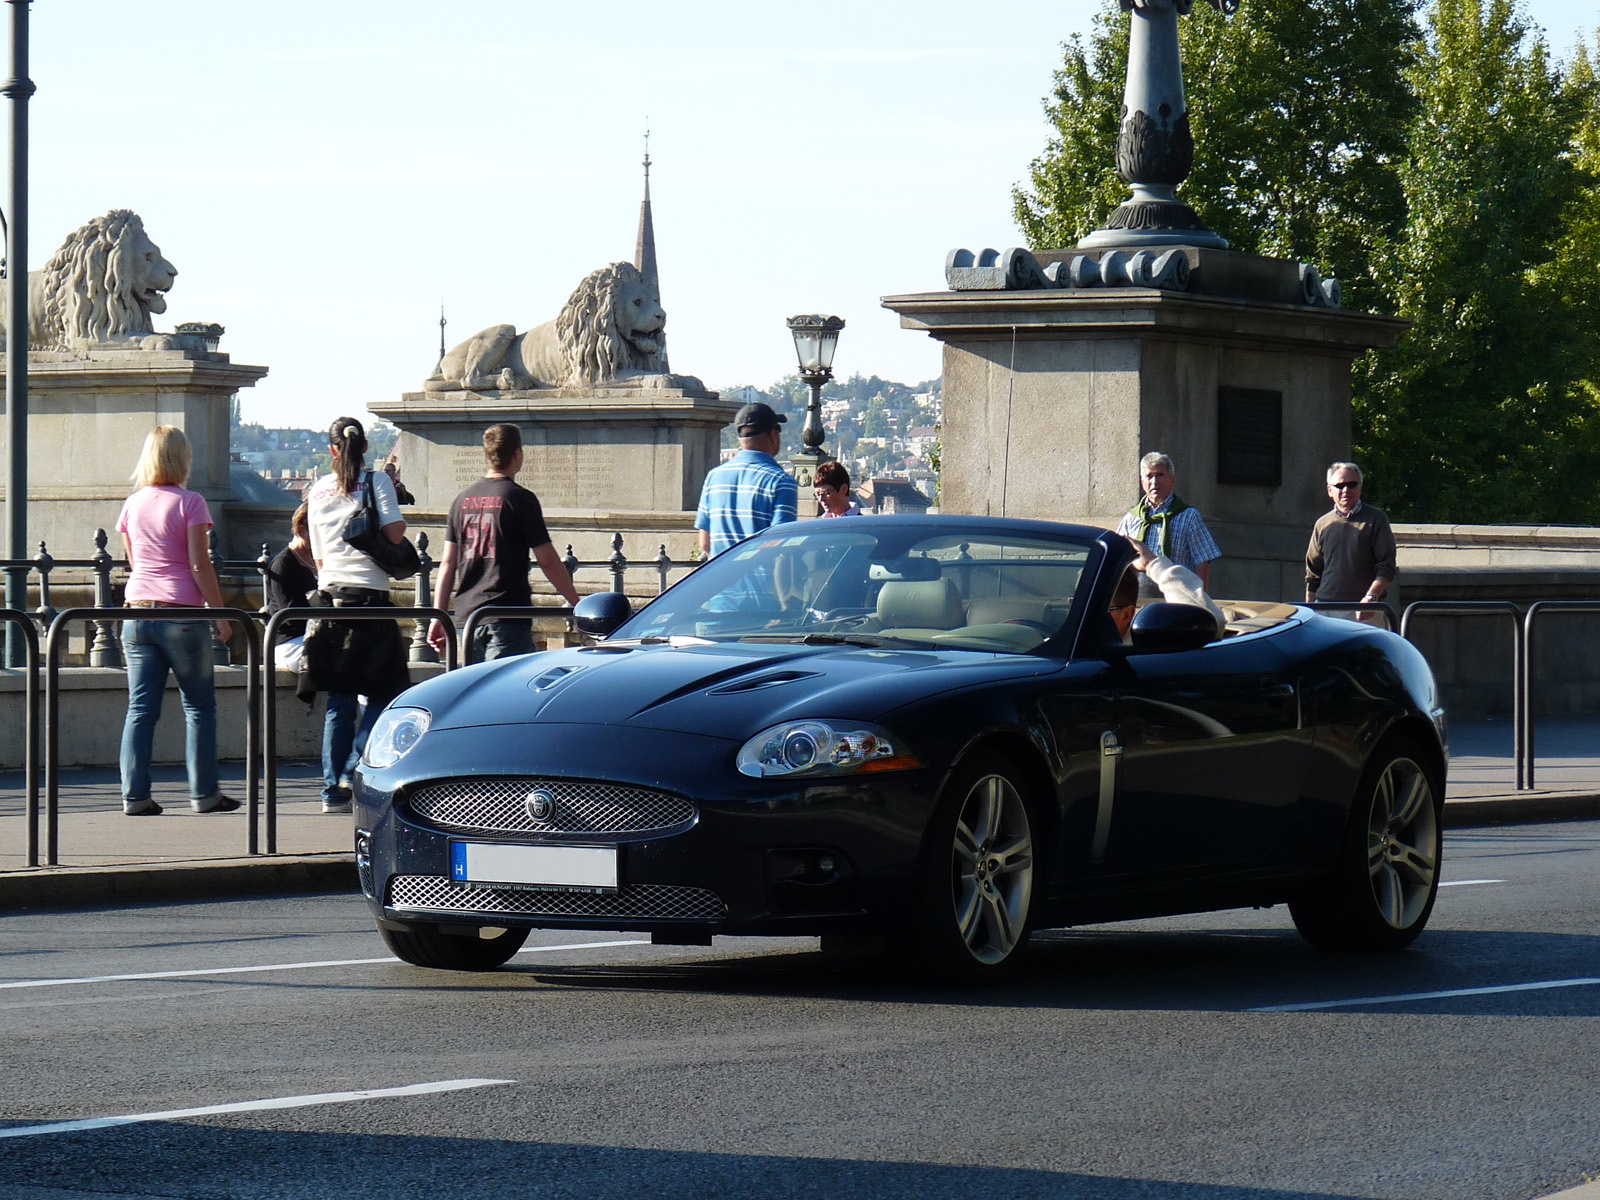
(1402, 842)
(992, 869)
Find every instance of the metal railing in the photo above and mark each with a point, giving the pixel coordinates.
(619, 565)
(13, 618)
(1525, 676)
(105, 651)
(1519, 700)
(269, 703)
(52, 704)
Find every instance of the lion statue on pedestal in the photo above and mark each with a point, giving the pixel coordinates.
(101, 287)
(612, 330)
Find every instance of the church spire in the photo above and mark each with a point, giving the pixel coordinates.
(644, 250)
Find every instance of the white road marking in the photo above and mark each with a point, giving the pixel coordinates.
(1468, 882)
(1544, 985)
(180, 1114)
(297, 966)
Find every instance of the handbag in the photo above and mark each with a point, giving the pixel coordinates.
(364, 532)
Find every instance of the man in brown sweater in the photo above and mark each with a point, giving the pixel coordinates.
(1352, 553)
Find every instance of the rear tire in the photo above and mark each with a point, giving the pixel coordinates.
(450, 952)
(975, 887)
(1383, 887)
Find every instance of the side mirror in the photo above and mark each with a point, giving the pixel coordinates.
(602, 613)
(1166, 627)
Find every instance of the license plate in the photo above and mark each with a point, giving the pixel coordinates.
(591, 868)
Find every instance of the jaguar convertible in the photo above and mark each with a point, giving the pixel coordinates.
(924, 734)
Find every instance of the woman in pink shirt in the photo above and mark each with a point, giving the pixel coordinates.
(165, 528)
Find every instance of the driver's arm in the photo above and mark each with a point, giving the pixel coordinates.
(1179, 585)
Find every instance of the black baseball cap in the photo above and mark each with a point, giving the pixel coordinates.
(755, 419)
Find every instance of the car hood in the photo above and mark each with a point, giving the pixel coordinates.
(728, 690)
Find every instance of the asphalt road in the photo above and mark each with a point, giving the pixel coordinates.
(1210, 1057)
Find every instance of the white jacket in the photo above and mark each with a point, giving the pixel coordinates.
(1179, 585)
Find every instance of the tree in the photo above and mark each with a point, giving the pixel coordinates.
(1298, 109)
(876, 423)
(1481, 413)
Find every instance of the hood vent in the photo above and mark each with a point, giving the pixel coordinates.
(551, 677)
(771, 679)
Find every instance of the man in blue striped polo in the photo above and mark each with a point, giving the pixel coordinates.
(750, 491)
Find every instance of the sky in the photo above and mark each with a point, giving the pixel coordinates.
(326, 175)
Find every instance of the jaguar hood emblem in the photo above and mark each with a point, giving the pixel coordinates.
(541, 805)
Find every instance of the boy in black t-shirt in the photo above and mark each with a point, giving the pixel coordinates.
(494, 525)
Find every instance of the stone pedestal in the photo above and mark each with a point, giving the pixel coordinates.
(803, 466)
(1051, 396)
(88, 415)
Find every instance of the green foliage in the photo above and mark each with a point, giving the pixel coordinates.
(1481, 414)
(877, 421)
(1299, 114)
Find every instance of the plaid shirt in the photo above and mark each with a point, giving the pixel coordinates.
(743, 496)
(1192, 543)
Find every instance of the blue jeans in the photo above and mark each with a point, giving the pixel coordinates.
(502, 639)
(344, 737)
(151, 649)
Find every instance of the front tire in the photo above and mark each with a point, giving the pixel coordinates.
(977, 879)
(449, 952)
(1383, 888)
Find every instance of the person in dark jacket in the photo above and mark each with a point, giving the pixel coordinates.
(291, 577)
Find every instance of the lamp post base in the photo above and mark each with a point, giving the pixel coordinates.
(803, 466)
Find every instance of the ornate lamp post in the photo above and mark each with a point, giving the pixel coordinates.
(1154, 147)
(815, 339)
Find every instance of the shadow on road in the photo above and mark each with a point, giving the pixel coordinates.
(1224, 970)
(189, 1159)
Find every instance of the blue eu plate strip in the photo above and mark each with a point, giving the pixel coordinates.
(458, 860)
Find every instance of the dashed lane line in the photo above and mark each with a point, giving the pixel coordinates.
(181, 1114)
(296, 966)
(1468, 882)
(1405, 997)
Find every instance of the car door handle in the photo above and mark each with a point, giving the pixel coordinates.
(1277, 689)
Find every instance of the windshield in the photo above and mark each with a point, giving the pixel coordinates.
(825, 582)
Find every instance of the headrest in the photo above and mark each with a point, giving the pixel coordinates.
(934, 604)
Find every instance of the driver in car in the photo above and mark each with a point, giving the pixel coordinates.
(1178, 585)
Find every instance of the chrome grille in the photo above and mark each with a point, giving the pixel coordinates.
(656, 901)
(581, 808)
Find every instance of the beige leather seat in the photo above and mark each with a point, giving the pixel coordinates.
(930, 604)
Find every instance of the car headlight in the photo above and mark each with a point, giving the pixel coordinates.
(824, 748)
(396, 731)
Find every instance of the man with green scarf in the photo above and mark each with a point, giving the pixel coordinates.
(1162, 521)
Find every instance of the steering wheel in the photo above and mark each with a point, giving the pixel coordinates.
(843, 619)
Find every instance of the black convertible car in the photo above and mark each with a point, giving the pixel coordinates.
(925, 730)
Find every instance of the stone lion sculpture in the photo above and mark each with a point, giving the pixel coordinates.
(611, 330)
(101, 287)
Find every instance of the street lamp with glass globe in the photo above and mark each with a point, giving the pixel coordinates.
(815, 338)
